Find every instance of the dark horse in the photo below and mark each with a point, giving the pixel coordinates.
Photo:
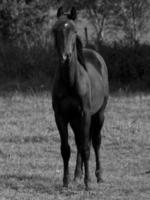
(79, 96)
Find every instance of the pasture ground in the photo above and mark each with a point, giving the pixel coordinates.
(30, 161)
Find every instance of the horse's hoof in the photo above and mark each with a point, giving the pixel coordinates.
(78, 176)
(77, 179)
(98, 176)
(100, 180)
(87, 184)
(87, 187)
(65, 182)
(65, 185)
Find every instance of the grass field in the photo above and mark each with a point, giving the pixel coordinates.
(30, 161)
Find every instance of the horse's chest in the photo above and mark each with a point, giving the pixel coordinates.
(70, 107)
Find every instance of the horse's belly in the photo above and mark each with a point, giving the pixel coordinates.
(97, 89)
(97, 99)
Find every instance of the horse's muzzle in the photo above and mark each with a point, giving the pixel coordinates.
(66, 58)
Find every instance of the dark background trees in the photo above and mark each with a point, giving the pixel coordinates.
(26, 51)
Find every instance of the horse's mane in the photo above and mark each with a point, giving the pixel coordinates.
(79, 47)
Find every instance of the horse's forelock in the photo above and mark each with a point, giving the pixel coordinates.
(64, 22)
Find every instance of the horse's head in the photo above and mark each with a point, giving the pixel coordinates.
(65, 34)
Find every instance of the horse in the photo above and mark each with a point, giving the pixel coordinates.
(79, 97)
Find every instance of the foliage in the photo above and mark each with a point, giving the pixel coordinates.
(133, 17)
(26, 55)
(129, 16)
(98, 14)
(26, 22)
(21, 22)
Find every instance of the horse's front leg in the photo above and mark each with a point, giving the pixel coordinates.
(85, 146)
(75, 125)
(62, 126)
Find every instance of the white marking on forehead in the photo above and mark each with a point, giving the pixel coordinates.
(66, 24)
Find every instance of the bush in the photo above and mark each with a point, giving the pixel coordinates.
(129, 67)
(34, 67)
(28, 68)
(22, 23)
(26, 54)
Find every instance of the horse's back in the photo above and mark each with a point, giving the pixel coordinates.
(98, 74)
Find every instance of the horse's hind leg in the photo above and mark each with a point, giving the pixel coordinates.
(79, 167)
(96, 126)
(85, 143)
(65, 148)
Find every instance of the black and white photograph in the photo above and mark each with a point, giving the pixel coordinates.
(74, 99)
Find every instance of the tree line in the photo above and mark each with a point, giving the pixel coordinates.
(25, 20)
(26, 51)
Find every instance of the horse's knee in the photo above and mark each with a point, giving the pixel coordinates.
(65, 152)
(85, 153)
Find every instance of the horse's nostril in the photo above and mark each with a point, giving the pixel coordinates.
(64, 57)
(69, 56)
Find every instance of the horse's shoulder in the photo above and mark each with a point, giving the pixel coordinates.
(94, 58)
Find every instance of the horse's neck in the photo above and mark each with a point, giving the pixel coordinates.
(74, 69)
(69, 74)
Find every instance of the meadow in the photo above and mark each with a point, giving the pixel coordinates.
(30, 162)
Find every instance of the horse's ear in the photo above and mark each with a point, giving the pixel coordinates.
(73, 13)
(60, 12)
